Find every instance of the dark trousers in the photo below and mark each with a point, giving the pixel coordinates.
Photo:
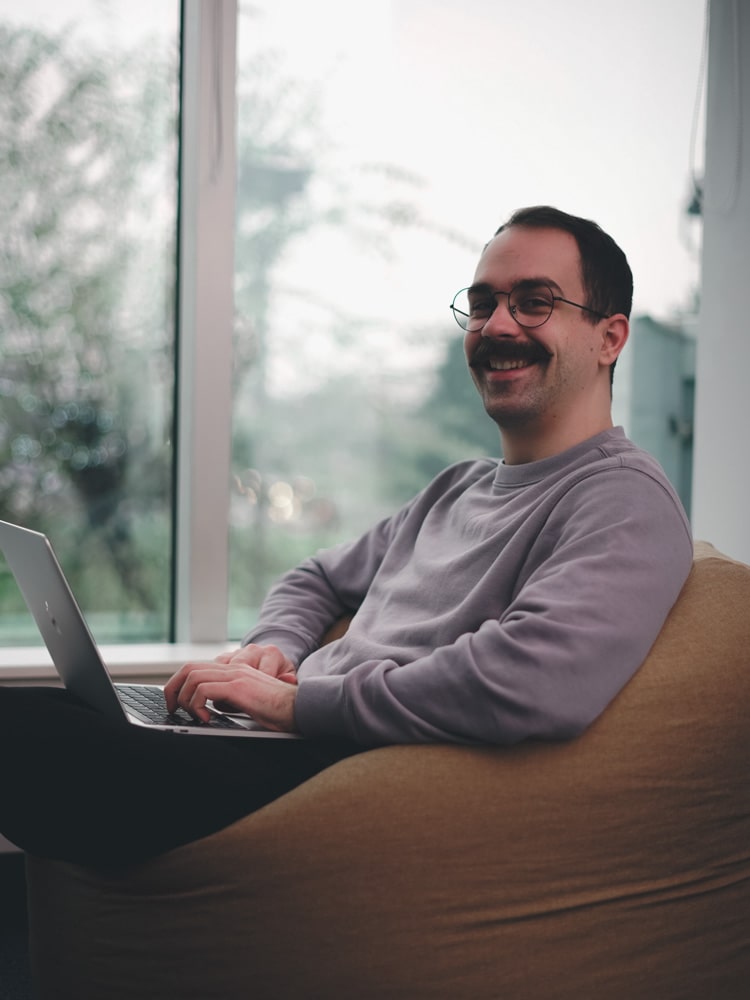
(76, 787)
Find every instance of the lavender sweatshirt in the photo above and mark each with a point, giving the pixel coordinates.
(502, 603)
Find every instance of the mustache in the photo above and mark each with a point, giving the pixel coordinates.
(511, 351)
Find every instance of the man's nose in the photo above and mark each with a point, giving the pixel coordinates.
(501, 322)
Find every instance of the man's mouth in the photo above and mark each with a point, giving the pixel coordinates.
(507, 357)
(501, 365)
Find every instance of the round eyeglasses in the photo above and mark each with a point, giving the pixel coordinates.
(530, 305)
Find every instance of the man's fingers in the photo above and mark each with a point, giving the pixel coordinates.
(267, 659)
(194, 691)
(272, 661)
(204, 691)
(174, 685)
(265, 696)
(180, 688)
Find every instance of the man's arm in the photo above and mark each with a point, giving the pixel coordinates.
(296, 614)
(602, 577)
(299, 609)
(306, 601)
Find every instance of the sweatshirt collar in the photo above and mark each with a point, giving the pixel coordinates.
(533, 472)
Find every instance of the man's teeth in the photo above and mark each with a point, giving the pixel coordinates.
(500, 365)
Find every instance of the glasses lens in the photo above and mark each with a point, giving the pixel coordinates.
(472, 312)
(460, 307)
(531, 305)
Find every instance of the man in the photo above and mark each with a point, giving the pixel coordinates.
(507, 601)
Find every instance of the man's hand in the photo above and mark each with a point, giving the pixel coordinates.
(268, 659)
(257, 680)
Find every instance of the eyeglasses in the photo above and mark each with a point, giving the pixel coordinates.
(530, 305)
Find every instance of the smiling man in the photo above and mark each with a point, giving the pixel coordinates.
(510, 600)
(540, 354)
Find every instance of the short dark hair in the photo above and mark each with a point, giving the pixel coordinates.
(605, 272)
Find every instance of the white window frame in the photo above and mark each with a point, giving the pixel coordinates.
(204, 360)
(206, 319)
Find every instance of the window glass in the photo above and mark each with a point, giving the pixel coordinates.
(379, 146)
(88, 115)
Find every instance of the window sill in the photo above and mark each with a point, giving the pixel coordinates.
(154, 661)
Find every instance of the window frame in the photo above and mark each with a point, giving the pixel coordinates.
(205, 321)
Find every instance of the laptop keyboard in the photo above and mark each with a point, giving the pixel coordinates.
(148, 703)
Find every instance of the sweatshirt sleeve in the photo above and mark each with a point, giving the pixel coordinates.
(307, 600)
(599, 582)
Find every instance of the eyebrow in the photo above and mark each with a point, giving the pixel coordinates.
(485, 286)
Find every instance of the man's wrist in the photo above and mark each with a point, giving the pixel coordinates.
(290, 716)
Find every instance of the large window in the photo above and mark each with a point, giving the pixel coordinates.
(88, 182)
(289, 361)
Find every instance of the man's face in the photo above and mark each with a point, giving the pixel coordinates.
(531, 379)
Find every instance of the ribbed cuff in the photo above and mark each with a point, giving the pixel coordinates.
(320, 707)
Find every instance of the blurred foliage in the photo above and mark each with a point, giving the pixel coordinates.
(449, 426)
(86, 308)
(333, 432)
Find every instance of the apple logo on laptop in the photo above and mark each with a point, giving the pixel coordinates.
(53, 620)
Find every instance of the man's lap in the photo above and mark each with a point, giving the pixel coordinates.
(79, 788)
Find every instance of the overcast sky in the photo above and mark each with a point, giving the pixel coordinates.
(585, 104)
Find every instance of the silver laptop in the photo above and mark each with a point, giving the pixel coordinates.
(77, 659)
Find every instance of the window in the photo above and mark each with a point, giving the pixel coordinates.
(318, 375)
(88, 98)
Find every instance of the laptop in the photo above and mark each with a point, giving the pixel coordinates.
(76, 656)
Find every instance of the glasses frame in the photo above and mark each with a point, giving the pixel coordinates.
(457, 313)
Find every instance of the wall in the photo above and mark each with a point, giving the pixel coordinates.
(662, 376)
(721, 482)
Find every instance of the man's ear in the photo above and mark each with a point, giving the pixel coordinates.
(616, 333)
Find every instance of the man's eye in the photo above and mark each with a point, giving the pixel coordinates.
(533, 304)
(482, 307)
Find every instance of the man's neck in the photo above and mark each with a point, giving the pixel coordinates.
(523, 446)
